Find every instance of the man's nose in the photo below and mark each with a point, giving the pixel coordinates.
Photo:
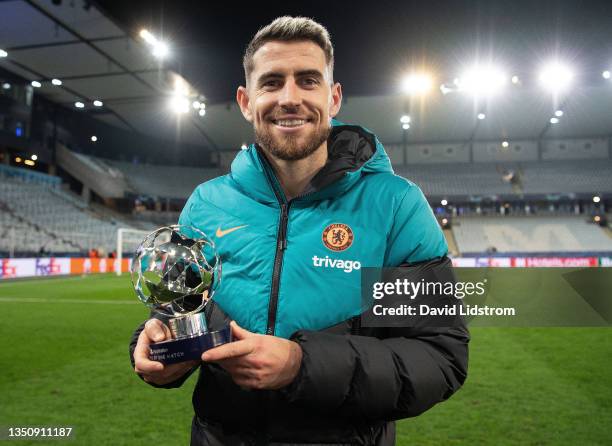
(290, 95)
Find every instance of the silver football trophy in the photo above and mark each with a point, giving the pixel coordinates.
(175, 272)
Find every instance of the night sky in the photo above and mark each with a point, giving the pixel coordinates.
(376, 42)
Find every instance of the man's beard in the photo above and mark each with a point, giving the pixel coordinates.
(289, 148)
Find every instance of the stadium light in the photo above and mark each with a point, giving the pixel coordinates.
(94, 138)
(18, 159)
(196, 104)
(505, 144)
(29, 162)
(159, 49)
(481, 116)
(201, 112)
(36, 84)
(556, 76)
(554, 120)
(606, 74)
(34, 157)
(79, 104)
(56, 82)
(596, 199)
(6, 86)
(179, 104)
(559, 113)
(243, 146)
(444, 202)
(405, 119)
(484, 80)
(406, 126)
(417, 83)
(597, 219)
(98, 103)
(147, 36)
(3, 53)
(515, 79)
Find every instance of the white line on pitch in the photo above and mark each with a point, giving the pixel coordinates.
(38, 300)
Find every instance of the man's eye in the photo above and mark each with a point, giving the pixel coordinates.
(310, 81)
(269, 84)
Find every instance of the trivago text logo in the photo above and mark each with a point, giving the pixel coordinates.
(346, 265)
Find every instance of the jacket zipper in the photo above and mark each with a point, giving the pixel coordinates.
(281, 245)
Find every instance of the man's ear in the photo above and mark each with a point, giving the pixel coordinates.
(336, 100)
(242, 98)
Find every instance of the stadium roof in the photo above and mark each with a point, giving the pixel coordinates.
(96, 59)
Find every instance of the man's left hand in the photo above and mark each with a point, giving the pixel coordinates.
(257, 361)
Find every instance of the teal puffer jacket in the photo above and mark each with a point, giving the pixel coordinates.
(279, 275)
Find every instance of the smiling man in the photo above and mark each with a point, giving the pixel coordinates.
(301, 211)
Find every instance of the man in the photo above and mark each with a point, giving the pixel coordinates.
(299, 214)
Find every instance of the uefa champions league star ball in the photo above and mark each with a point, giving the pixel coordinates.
(175, 270)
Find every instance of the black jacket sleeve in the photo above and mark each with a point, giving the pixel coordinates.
(174, 384)
(382, 373)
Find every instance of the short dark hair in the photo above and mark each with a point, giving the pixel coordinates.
(290, 29)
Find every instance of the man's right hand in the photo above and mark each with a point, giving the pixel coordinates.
(153, 371)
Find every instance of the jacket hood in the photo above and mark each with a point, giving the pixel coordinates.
(353, 151)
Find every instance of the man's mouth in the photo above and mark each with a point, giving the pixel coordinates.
(290, 123)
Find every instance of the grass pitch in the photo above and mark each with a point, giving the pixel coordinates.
(64, 361)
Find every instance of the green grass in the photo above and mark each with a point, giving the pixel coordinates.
(67, 364)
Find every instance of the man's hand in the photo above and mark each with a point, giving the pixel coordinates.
(153, 371)
(257, 361)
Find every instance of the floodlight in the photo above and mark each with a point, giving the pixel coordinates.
(405, 119)
(196, 104)
(98, 103)
(201, 112)
(554, 120)
(94, 138)
(148, 37)
(596, 199)
(6, 86)
(484, 80)
(417, 83)
(515, 79)
(405, 126)
(36, 84)
(56, 82)
(556, 76)
(481, 116)
(444, 202)
(79, 104)
(3, 53)
(160, 50)
(606, 74)
(243, 146)
(179, 104)
(505, 144)
(34, 157)
(559, 113)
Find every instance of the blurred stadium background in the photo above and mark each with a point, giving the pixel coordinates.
(100, 131)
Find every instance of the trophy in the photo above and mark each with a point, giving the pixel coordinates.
(175, 272)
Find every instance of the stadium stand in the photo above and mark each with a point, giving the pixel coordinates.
(575, 234)
(40, 216)
(562, 176)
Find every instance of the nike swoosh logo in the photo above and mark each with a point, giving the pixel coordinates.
(221, 233)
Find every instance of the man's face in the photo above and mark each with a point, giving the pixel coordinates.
(290, 99)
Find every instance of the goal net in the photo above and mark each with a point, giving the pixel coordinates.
(128, 240)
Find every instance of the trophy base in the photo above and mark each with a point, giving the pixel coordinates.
(174, 351)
